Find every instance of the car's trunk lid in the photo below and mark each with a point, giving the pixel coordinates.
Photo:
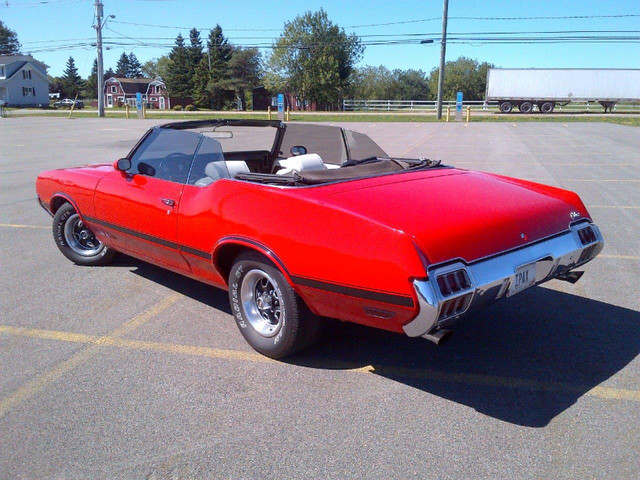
(455, 213)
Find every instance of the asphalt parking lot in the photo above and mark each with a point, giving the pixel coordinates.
(129, 371)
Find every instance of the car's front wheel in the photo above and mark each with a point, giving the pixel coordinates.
(272, 318)
(76, 241)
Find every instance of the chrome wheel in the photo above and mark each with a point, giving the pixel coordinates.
(262, 303)
(79, 238)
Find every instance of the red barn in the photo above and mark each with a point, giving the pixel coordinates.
(121, 91)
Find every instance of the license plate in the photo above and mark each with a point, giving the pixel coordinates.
(524, 277)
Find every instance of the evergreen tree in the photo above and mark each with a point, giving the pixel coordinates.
(135, 67)
(91, 90)
(109, 73)
(178, 81)
(211, 89)
(122, 67)
(9, 44)
(71, 80)
(194, 50)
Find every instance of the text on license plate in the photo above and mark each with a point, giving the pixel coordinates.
(524, 277)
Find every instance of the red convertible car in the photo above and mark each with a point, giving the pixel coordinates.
(300, 222)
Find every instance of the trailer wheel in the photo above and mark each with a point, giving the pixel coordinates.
(525, 107)
(506, 107)
(547, 107)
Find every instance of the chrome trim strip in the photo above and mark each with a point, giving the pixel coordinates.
(490, 278)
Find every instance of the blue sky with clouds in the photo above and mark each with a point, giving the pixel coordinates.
(56, 29)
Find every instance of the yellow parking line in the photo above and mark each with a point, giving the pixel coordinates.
(238, 355)
(13, 225)
(34, 386)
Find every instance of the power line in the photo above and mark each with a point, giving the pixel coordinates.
(402, 22)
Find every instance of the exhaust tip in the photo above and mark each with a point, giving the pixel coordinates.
(438, 336)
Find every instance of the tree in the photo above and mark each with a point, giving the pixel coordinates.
(411, 85)
(9, 44)
(462, 75)
(109, 73)
(316, 57)
(210, 87)
(178, 81)
(91, 89)
(134, 69)
(122, 67)
(156, 67)
(194, 50)
(71, 81)
(245, 68)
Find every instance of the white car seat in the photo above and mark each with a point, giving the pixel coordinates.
(237, 166)
(300, 163)
(215, 171)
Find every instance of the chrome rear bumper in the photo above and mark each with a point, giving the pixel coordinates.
(492, 278)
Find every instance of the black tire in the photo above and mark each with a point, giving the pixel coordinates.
(547, 107)
(525, 107)
(506, 107)
(276, 328)
(76, 241)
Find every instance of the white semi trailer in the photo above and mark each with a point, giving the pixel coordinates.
(545, 87)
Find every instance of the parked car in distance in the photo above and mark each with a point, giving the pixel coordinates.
(300, 222)
(68, 103)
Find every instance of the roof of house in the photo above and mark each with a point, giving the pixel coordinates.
(5, 59)
(135, 85)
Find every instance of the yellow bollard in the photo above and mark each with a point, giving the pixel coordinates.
(287, 117)
(144, 111)
(448, 113)
(468, 113)
(126, 110)
(269, 112)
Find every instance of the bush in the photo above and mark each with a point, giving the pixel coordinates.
(177, 108)
(190, 108)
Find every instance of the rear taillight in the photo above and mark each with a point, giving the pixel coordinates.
(587, 235)
(453, 282)
(455, 306)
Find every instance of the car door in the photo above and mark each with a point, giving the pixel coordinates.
(138, 209)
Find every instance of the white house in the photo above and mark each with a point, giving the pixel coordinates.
(23, 81)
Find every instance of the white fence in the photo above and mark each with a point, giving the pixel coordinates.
(419, 105)
(425, 105)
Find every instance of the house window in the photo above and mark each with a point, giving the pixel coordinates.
(28, 92)
(158, 89)
(26, 74)
(154, 99)
(114, 89)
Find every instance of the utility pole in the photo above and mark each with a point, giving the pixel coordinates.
(443, 49)
(98, 27)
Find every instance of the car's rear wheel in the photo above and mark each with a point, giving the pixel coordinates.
(272, 318)
(76, 241)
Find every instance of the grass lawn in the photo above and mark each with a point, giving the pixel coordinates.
(621, 119)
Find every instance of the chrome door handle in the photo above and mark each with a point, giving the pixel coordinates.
(168, 202)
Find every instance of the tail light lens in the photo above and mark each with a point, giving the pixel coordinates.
(587, 235)
(453, 282)
(455, 306)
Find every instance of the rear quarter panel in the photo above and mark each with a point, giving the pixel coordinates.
(316, 243)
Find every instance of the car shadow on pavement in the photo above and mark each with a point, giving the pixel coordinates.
(523, 360)
(201, 292)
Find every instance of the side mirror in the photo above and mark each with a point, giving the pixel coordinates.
(298, 150)
(122, 164)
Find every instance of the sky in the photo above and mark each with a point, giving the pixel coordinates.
(54, 30)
